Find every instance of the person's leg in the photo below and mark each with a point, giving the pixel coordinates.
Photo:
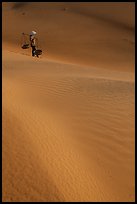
(33, 50)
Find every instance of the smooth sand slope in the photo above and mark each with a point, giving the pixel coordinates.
(68, 125)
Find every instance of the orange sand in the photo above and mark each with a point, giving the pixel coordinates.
(68, 117)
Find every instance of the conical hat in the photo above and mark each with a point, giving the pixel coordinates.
(33, 33)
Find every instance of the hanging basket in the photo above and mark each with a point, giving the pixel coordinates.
(38, 52)
(25, 46)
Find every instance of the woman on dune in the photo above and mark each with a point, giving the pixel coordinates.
(33, 42)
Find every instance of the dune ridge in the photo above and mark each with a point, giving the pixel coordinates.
(72, 36)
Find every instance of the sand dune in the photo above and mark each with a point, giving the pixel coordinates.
(68, 117)
(72, 35)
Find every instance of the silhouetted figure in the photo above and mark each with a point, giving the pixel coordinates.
(33, 42)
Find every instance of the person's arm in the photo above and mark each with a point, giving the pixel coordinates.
(25, 34)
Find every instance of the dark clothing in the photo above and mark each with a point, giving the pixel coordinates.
(33, 45)
(33, 50)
